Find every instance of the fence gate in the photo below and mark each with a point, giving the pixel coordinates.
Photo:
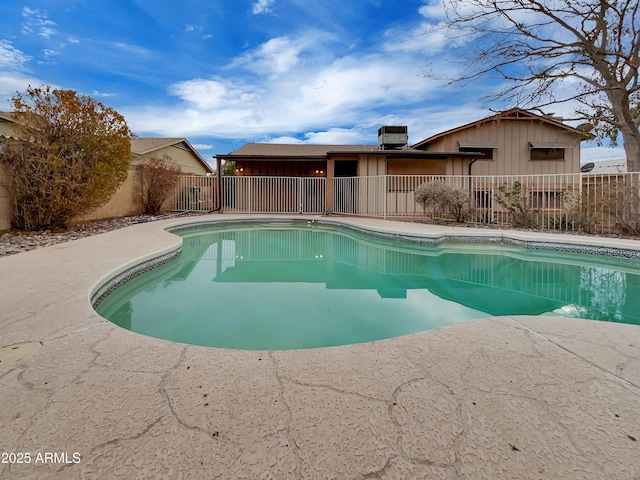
(196, 193)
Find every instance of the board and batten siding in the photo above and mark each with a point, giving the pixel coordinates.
(512, 155)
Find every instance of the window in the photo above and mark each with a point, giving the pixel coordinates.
(486, 148)
(487, 152)
(548, 151)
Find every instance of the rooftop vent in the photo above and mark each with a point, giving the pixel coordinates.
(390, 137)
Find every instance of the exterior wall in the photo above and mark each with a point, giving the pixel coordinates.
(125, 202)
(417, 167)
(372, 165)
(512, 153)
(281, 168)
(5, 200)
(184, 159)
(7, 129)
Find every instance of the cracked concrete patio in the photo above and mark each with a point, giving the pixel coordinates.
(521, 397)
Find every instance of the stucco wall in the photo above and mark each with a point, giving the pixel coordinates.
(126, 201)
(5, 200)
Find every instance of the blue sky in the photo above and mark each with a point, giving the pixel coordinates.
(223, 73)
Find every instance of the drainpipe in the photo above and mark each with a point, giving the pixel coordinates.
(475, 159)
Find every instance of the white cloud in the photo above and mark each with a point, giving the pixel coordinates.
(426, 38)
(275, 56)
(342, 136)
(262, 6)
(297, 90)
(433, 10)
(38, 21)
(14, 72)
(97, 94)
(204, 94)
(203, 146)
(283, 139)
(11, 58)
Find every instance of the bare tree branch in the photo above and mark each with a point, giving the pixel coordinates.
(536, 45)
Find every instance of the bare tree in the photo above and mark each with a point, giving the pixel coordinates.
(555, 51)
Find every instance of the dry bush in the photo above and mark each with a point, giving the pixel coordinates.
(160, 179)
(517, 201)
(581, 211)
(70, 156)
(625, 206)
(445, 198)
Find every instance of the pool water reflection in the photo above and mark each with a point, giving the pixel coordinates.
(275, 287)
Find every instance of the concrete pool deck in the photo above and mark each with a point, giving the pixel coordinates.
(497, 398)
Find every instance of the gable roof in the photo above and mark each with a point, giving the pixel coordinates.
(294, 150)
(303, 151)
(8, 116)
(513, 114)
(144, 146)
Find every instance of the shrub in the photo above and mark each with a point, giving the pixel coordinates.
(581, 211)
(71, 155)
(444, 198)
(160, 179)
(518, 202)
(625, 207)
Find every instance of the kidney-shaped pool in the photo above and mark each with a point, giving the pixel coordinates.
(272, 287)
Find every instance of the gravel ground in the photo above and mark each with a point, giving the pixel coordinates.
(13, 242)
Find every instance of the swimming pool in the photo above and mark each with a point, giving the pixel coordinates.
(272, 286)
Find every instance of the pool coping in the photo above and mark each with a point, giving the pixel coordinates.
(516, 239)
(505, 397)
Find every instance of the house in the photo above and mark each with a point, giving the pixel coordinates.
(128, 199)
(179, 150)
(514, 142)
(335, 161)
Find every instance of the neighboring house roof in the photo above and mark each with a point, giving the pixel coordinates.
(146, 145)
(514, 114)
(8, 116)
(301, 151)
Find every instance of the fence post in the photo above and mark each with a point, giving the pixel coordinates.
(384, 197)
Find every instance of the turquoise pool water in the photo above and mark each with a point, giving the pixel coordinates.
(270, 287)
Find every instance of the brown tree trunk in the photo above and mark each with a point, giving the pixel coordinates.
(630, 135)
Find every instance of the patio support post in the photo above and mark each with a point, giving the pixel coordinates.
(328, 201)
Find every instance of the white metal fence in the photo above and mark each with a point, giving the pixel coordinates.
(273, 194)
(593, 203)
(195, 193)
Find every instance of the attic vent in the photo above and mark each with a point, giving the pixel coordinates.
(393, 137)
